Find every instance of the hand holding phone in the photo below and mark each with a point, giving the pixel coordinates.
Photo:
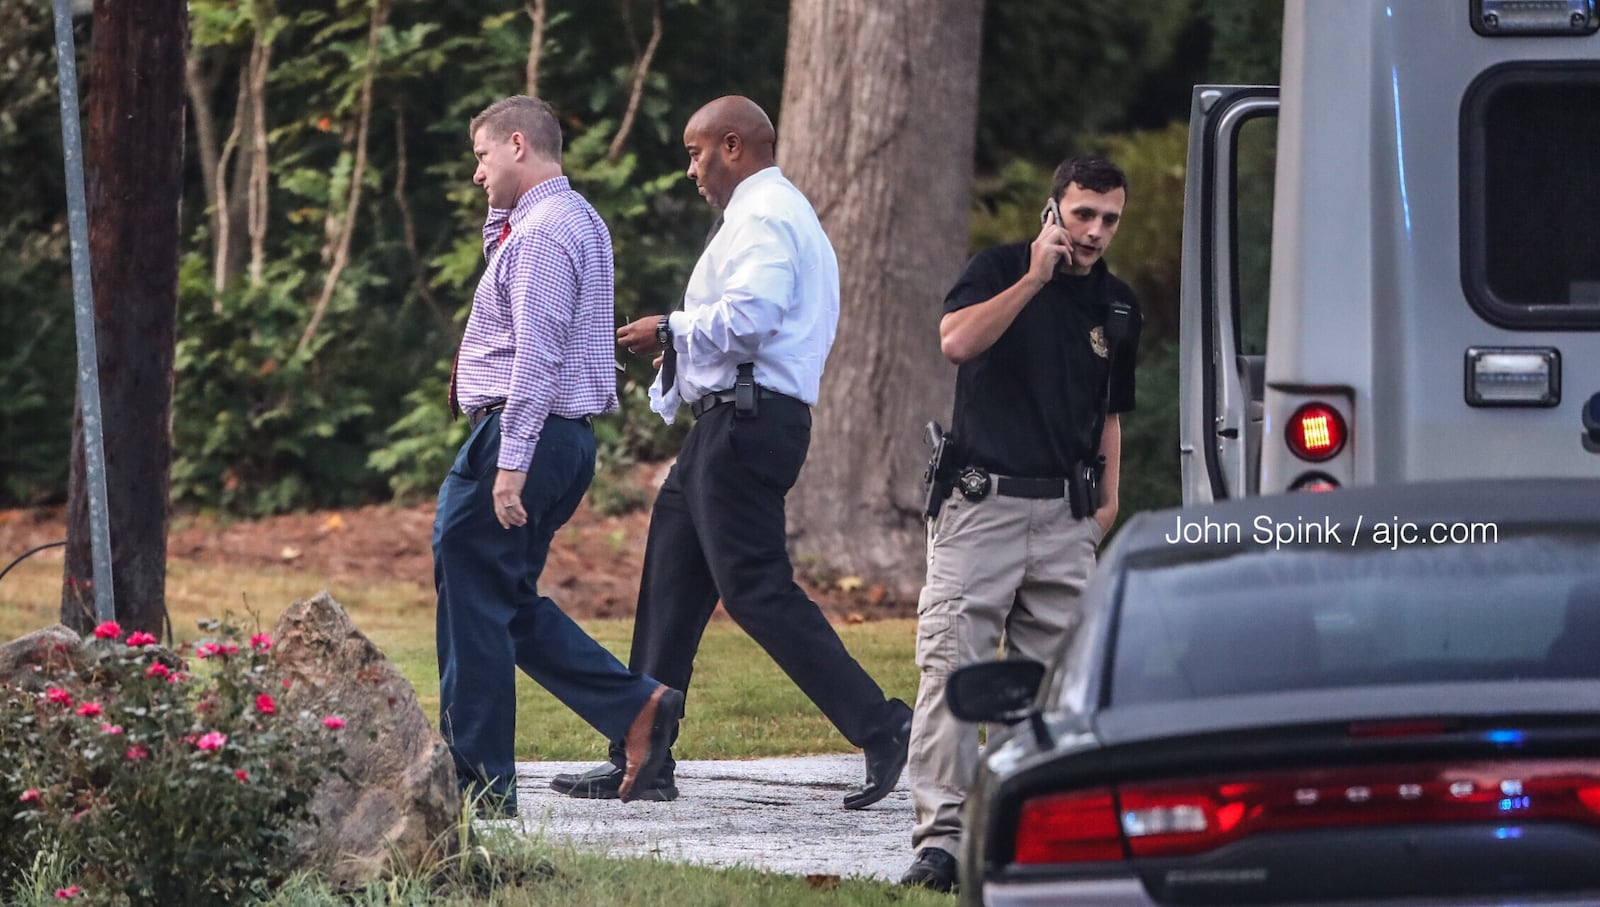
(1053, 242)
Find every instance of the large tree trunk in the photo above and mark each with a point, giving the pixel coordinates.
(133, 171)
(879, 113)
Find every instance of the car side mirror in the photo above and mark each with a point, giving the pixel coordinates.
(1000, 691)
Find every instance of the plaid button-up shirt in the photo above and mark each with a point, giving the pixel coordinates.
(541, 335)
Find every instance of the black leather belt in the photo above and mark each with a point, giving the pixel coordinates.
(483, 412)
(1016, 487)
(716, 398)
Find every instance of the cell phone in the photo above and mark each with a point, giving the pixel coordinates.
(1051, 213)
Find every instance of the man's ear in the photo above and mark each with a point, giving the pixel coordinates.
(733, 144)
(519, 146)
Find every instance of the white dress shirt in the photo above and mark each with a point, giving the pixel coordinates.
(765, 290)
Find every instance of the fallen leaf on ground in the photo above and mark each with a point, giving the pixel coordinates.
(850, 583)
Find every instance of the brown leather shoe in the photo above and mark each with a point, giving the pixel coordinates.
(649, 738)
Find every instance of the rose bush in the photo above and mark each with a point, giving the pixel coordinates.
(159, 779)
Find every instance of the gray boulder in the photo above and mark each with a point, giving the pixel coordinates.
(22, 658)
(400, 805)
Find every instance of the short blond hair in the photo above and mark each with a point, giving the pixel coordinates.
(529, 116)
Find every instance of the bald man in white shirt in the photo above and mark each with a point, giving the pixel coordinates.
(745, 355)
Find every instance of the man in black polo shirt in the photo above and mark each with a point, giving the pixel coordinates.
(1045, 338)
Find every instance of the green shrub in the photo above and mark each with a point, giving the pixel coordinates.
(154, 783)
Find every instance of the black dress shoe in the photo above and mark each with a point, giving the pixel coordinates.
(603, 781)
(886, 759)
(933, 868)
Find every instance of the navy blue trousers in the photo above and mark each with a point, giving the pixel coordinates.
(492, 619)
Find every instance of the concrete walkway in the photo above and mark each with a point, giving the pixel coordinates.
(778, 815)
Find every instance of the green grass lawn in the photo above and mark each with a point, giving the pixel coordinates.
(741, 706)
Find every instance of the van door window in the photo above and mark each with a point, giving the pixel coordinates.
(1530, 154)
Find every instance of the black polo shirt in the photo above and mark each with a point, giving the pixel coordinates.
(1028, 405)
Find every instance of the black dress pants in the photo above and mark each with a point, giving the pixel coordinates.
(718, 530)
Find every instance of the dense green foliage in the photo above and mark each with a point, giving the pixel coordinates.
(313, 358)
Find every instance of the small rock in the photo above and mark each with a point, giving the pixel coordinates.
(21, 658)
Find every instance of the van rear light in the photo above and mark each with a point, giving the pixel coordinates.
(1316, 432)
(1078, 827)
(1315, 482)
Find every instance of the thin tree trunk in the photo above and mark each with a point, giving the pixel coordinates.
(878, 126)
(536, 11)
(222, 266)
(200, 81)
(133, 175)
(341, 255)
(256, 190)
(408, 224)
(641, 68)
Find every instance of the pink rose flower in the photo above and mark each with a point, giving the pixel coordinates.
(261, 642)
(265, 705)
(141, 638)
(241, 774)
(333, 722)
(137, 753)
(31, 795)
(108, 630)
(67, 894)
(58, 696)
(90, 710)
(112, 729)
(211, 741)
(206, 649)
(157, 670)
(228, 648)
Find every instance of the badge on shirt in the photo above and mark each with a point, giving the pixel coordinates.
(1097, 341)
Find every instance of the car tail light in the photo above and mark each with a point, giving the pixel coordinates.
(1181, 818)
(1069, 828)
(1316, 432)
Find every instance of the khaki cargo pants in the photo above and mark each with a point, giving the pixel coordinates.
(1001, 568)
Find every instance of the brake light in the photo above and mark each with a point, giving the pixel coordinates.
(1078, 827)
(1316, 432)
(1182, 818)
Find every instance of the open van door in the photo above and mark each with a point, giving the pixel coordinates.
(1227, 240)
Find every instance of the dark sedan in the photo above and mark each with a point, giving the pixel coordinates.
(1378, 695)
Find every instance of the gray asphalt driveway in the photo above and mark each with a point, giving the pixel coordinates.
(779, 815)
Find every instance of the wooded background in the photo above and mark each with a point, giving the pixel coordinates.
(328, 231)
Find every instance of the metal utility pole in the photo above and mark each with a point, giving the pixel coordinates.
(83, 315)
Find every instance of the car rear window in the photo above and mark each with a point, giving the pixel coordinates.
(1259, 621)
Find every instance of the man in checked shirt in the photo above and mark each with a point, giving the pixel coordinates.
(535, 365)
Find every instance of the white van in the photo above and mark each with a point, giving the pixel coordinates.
(1425, 187)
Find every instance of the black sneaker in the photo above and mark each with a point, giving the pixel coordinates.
(603, 781)
(933, 868)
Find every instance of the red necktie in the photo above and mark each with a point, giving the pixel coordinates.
(454, 403)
